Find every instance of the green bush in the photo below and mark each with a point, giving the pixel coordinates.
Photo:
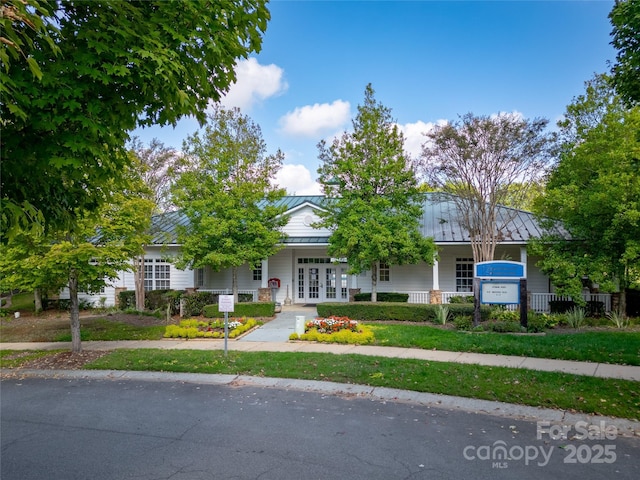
(127, 299)
(461, 299)
(503, 326)
(381, 311)
(463, 322)
(382, 297)
(158, 300)
(504, 315)
(194, 303)
(252, 309)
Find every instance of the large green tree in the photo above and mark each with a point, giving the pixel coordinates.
(625, 18)
(229, 199)
(85, 259)
(116, 65)
(595, 191)
(374, 202)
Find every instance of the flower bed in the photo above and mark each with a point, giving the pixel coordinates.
(210, 329)
(335, 330)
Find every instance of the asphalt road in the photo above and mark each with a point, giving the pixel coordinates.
(146, 430)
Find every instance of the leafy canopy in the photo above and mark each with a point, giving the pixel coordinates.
(595, 191)
(375, 205)
(121, 64)
(229, 199)
(625, 18)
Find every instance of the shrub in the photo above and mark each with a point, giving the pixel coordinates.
(363, 336)
(382, 297)
(252, 309)
(158, 300)
(214, 329)
(594, 308)
(503, 315)
(442, 314)
(619, 320)
(381, 311)
(463, 322)
(127, 299)
(194, 303)
(575, 317)
(461, 299)
(503, 326)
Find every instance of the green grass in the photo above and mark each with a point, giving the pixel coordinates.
(105, 330)
(21, 302)
(602, 347)
(611, 397)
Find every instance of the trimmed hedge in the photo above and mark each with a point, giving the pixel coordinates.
(127, 300)
(383, 297)
(252, 309)
(410, 312)
(194, 303)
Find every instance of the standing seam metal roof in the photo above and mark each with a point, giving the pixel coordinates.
(439, 220)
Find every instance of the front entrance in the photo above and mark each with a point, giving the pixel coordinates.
(321, 281)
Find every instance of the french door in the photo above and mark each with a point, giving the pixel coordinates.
(322, 283)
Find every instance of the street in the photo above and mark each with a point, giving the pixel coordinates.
(119, 429)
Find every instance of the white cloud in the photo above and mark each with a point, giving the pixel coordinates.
(414, 135)
(254, 82)
(313, 120)
(297, 180)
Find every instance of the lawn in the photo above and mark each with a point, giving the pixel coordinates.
(607, 346)
(611, 397)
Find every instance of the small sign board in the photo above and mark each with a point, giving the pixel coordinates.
(225, 303)
(501, 269)
(500, 292)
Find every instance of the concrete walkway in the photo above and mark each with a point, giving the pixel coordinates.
(274, 337)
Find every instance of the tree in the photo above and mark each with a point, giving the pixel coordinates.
(229, 199)
(482, 162)
(100, 247)
(625, 18)
(160, 166)
(595, 191)
(121, 64)
(374, 205)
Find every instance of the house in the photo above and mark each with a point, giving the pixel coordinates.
(303, 273)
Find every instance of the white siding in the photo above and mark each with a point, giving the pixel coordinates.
(297, 226)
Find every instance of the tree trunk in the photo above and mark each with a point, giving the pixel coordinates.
(476, 302)
(374, 282)
(234, 284)
(37, 300)
(138, 278)
(76, 345)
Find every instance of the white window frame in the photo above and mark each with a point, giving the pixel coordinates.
(384, 267)
(464, 283)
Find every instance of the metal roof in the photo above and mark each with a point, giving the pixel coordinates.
(439, 220)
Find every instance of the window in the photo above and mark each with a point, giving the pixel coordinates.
(199, 278)
(464, 274)
(157, 274)
(384, 272)
(257, 272)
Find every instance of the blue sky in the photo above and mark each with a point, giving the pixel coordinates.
(428, 61)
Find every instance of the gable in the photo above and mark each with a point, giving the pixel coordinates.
(300, 220)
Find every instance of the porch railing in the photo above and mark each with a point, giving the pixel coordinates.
(419, 297)
(540, 301)
(227, 291)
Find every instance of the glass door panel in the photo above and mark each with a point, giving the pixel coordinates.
(330, 282)
(314, 283)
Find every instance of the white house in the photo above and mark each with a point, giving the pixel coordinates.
(305, 274)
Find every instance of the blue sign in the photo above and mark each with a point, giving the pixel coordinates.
(502, 269)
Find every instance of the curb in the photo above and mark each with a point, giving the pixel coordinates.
(625, 428)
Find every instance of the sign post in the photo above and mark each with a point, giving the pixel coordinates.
(225, 304)
(503, 283)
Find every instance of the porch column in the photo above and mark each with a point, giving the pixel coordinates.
(265, 273)
(435, 295)
(523, 255)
